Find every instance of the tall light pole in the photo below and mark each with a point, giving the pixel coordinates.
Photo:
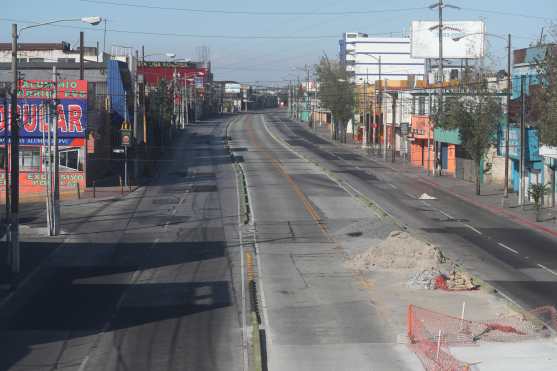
(13, 225)
(441, 77)
(507, 128)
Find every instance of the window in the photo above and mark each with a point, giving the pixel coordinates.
(66, 60)
(2, 158)
(70, 160)
(421, 106)
(30, 159)
(36, 59)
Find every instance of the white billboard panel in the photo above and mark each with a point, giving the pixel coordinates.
(424, 39)
(230, 88)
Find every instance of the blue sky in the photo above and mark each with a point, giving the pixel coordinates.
(263, 60)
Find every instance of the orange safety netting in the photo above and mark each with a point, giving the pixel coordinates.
(431, 333)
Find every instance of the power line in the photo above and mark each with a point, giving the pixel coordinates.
(248, 12)
(498, 12)
(188, 35)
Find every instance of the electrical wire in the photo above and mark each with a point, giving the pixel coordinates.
(248, 12)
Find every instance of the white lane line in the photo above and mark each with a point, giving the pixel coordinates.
(83, 363)
(472, 228)
(410, 195)
(547, 269)
(508, 248)
(444, 213)
(393, 186)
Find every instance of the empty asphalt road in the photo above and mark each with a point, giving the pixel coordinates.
(148, 282)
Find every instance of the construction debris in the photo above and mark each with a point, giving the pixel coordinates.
(399, 251)
(424, 279)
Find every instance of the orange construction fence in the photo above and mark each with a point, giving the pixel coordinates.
(431, 333)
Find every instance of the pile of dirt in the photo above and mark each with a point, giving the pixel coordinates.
(399, 251)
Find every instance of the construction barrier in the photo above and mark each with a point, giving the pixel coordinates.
(431, 333)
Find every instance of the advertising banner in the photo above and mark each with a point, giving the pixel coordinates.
(230, 88)
(34, 99)
(470, 35)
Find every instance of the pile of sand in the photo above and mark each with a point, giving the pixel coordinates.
(399, 251)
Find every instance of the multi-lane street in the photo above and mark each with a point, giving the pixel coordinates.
(517, 260)
(155, 280)
(148, 282)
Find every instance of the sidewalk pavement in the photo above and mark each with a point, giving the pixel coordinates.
(491, 197)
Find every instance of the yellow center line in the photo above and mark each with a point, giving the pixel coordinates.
(295, 187)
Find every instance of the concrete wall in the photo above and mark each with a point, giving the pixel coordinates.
(494, 168)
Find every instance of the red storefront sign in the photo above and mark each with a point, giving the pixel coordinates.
(421, 127)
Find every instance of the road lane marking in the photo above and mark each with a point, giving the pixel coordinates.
(393, 186)
(508, 248)
(83, 363)
(474, 229)
(547, 269)
(444, 213)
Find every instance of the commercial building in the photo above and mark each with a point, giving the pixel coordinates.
(192, 81)
(90, 114)
(47, 52)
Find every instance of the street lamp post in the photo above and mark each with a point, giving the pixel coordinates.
(13, 227)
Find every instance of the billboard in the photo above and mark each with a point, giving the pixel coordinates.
(424, 39)
(34, 98)
(231, 88)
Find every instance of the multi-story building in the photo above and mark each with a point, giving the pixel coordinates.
(361, 53)
(47, 52)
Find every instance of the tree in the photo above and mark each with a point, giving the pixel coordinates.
(475, 113)
(545, 102)
(336, 93)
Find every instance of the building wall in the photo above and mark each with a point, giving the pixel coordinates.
(46, 55)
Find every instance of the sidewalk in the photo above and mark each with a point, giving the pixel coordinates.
(491, 197)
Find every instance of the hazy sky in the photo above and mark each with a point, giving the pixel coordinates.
(252, 58)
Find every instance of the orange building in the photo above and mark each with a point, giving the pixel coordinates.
(421, 130)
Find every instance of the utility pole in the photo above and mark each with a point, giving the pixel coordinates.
(13, 227)
(429, 135)
(135, 135)
(394, 97)
(49, 170)
(384, 125)
(6, 167)
(521, 194)
(56, 180)
(441, 77)
(186, 93)
(174, 96)
(507, 129)
(366, 122)
(135, 99)
(307, 89)
(126, 147)
(81, 56)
